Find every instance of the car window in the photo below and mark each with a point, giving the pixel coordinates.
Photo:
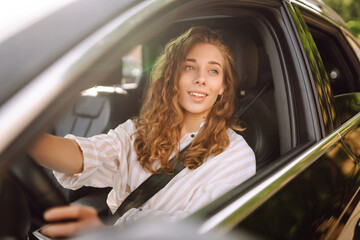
(339, 55)
(264, 105)
(262, 102)
(340, 69)
(260, 89)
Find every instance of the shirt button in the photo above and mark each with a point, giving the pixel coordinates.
(192, 135)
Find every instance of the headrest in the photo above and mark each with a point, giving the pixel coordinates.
(245, 51)
(246, 57)
(89, 106)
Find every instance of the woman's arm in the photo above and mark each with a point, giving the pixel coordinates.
(57, 153)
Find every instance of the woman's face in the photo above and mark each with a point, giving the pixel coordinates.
(201, 80)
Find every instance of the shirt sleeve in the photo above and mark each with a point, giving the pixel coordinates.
(103, 155)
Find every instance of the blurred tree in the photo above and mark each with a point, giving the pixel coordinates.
(349, 10)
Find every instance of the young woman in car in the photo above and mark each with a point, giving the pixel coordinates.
(190, 101)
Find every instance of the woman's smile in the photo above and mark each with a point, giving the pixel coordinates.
(198, 96)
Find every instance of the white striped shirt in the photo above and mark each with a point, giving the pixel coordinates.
(111, 161)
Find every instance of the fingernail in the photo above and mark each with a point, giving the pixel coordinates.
(47, 215)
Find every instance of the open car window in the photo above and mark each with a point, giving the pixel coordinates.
(264, 104)
(260, 88)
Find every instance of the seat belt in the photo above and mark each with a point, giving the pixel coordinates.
(147, 189)
(244, 108)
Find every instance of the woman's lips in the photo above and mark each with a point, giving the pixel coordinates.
(197, 96)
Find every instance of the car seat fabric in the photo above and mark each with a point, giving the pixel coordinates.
(89, 117)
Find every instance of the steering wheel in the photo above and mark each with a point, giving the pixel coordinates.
(28, 192)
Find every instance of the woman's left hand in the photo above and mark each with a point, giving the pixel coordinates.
(68, 220)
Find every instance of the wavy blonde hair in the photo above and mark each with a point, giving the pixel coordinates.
(161, 116)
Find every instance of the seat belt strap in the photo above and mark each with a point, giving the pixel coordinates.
(148, 188)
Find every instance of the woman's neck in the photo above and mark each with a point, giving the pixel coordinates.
(191, 123)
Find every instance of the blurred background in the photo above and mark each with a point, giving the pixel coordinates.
(349, 10)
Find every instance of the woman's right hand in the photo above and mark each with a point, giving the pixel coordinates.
(66, 221)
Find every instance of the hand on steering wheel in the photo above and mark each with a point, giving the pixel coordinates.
(69, 220)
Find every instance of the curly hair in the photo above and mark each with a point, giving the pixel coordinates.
(161, 117)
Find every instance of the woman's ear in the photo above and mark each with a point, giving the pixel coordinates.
(221, 91)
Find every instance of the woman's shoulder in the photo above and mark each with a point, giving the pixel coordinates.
(237, 139)
(239, 147)
(234, 136)
(127, 126)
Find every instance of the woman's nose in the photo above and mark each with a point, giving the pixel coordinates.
(200, 77)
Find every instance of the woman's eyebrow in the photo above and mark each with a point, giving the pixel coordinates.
(214, 62)
(210, 62)
(191, 60)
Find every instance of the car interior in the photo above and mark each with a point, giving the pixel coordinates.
(255, 104)
(255, 89)
(119, 98)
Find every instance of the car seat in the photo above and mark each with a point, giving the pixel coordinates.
(255, 107)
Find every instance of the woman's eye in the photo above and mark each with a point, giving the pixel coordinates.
(214, 71)
(190, 68)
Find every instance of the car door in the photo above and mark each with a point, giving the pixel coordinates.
(338, 51)
(329, 187)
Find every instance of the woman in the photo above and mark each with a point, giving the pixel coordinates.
(190, 101)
